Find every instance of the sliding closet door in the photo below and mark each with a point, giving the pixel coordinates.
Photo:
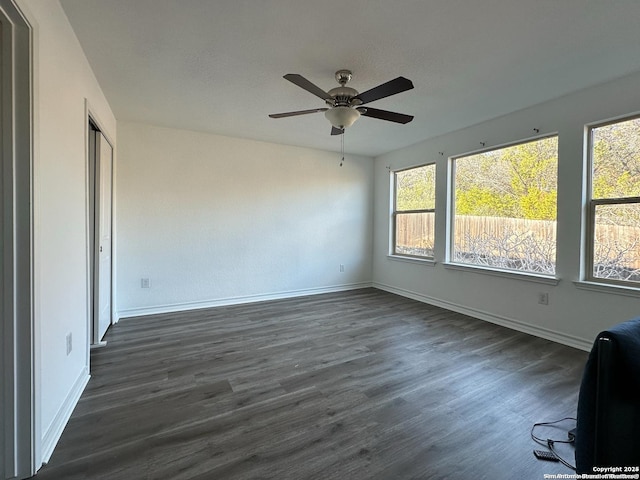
(103, 205)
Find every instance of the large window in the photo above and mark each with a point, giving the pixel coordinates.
(414, 211)
(505, 208)
(614, 206)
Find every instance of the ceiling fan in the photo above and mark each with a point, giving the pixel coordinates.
(344, 103)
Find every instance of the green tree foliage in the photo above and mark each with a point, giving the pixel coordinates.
(616, 160)
(484, 202)
(416, 188)
(519, 181)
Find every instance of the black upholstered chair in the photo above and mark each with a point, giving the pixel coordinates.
(608, 428)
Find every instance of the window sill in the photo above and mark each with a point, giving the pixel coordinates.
(527, 277)
(422, 261)
(608, 288)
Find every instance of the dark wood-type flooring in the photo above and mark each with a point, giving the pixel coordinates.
(354, 385)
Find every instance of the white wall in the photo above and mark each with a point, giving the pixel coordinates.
(574, 316)
(63, 80)
(212, 220)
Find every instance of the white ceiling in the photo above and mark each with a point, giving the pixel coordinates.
(217, 65)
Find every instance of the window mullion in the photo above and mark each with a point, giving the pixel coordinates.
(422, 210)
(615, 201)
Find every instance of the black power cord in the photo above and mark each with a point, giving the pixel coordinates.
(549, 443)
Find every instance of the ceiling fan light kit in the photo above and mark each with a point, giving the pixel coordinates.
(344, 103)
(341, 116)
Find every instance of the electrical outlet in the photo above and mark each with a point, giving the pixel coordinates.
(145, 283)
(69, 343)
(543, 298)
(341, 267)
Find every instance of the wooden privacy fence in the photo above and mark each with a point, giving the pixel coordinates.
(467, 226)
(417, 230)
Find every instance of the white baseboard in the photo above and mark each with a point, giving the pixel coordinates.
(54, 432)
(536, 331)
(180, 307)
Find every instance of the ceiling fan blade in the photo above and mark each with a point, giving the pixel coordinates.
(385, 115)
(299, 112)
(392, 87)
(302, 82)
(337, 131)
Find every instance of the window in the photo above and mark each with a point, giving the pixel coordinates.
(505, 208)
(614, 206)
(414, 211)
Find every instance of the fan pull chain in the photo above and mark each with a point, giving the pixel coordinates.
(342, 147)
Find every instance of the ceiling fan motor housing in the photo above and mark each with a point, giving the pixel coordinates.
(342, 95)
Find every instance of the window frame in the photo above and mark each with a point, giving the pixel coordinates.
(395, 212)
(592, 204)
(451, 220)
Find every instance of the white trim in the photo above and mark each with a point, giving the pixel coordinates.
(430, 262)
(114, 225)
(511, 274)
(554, 336)
(179, 307)
(612, 120)
(54, 432)
(499, 146)
(18, 445)
(393, 170)
(608, 288)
